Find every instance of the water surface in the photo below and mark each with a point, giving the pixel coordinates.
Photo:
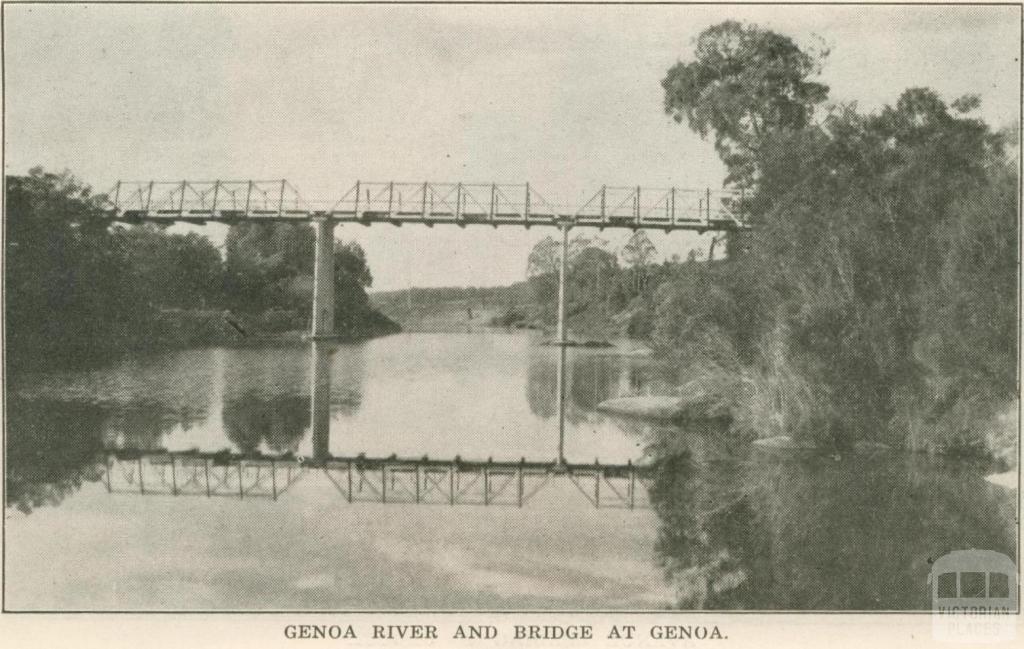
(726, 527)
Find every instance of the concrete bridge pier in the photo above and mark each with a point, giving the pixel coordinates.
(323, 280)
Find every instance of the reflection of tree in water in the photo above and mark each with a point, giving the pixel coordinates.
(709, 541)
(593, 379)
(53, 448)
(279, 421)
(143, 424)
(542, 383)
(859, 533)
(348, 373)
(813, 533)
(54, 445)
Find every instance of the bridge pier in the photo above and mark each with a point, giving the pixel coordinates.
(323, 280)
(562, 343)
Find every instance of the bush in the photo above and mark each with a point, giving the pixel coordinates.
(641, 322)
(875, 297)
(281, 320)
(510, 317)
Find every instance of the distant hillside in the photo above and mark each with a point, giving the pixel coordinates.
(516, 306)
(454, 308)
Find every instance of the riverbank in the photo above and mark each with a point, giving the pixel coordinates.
(994, 439)
(461, 309)
(194, 327)
(171, 329)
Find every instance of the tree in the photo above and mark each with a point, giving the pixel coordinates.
(354, 316)
(80, 289)
(263, 263)
(849, 215)
(270, 267)
(173, 270)
(638, 252)
(591, 272)
(744, 83)
(542, 268)
(71, 293)
(544, 258)
(874, 235)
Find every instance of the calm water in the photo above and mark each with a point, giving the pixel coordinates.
(724, 526)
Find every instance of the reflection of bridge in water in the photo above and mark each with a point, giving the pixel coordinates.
(386, 480)
(390, 480)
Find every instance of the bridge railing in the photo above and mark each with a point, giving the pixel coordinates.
(429, 203)
(445, 202)
(208, 200)
(659, 206)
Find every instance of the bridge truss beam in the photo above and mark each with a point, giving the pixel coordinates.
(398, 203)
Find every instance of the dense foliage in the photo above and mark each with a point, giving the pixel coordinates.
(875, 296)
(79, 288)
(744, 84)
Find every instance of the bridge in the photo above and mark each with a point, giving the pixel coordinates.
(426, 203)
(398, 203)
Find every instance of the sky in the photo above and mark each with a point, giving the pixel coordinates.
(565, 97)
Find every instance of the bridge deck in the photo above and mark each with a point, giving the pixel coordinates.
(427, 204)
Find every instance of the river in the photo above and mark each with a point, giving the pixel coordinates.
(721, 525)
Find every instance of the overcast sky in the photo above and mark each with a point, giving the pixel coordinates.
(567, 98)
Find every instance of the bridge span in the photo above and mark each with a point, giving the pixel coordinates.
(427, 203)
(367, 203)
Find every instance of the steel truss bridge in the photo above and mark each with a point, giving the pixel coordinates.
(426, 203)
(390, 479)
(377, 480)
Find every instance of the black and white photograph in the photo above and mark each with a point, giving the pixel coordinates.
(512, 308)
